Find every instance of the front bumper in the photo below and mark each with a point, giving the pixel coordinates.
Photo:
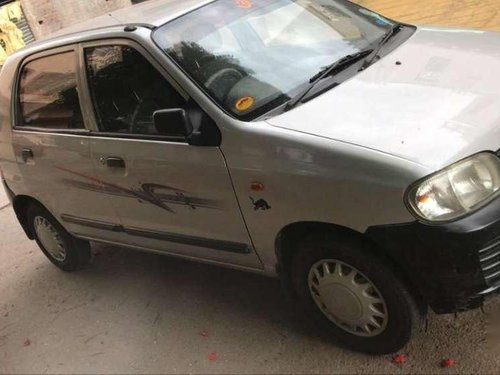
(454, 266)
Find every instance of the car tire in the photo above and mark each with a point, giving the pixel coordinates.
(64, 250)
(367, 286)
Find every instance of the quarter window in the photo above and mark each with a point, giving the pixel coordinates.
(126, 90)
(48, 93)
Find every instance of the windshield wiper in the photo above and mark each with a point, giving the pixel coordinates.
(344, 62)
(393, 31)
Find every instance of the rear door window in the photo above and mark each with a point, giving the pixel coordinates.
(48, 94)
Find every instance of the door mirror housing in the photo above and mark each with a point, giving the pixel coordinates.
(173, 122)
(191, 124)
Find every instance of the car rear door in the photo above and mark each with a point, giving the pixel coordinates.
(51, 142)
(170, 196)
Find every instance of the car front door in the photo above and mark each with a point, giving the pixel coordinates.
(170, 196)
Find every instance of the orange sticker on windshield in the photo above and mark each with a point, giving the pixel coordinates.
(245, 4)
(244, 104)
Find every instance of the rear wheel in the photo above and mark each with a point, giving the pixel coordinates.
(64, 250)
(353, 294)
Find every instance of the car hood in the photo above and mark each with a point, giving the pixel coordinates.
(441, 104)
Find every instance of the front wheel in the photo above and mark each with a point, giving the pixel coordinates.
(63, 250)
(353, 294)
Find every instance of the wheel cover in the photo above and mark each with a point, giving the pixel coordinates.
(50, 238)
(348, 298)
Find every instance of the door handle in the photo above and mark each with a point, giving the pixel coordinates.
(26, 154)
(113, 162)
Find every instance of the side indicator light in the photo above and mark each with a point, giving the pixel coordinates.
(257, 186)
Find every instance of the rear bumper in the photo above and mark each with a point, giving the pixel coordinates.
(454, 266)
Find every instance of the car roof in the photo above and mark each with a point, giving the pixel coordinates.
(153, 12)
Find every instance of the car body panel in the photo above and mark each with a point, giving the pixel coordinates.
(345, 158)
(271, 155)
(440, 105)
(55, 176)
(311, 179)
(174, 189)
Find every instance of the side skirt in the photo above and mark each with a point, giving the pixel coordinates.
(233, 247)
(260, 271)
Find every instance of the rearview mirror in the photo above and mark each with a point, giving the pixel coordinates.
(173, 122)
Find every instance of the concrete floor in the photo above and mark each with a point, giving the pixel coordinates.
(131, 312)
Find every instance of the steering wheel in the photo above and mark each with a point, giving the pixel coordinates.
(221, 82)
(144, 110)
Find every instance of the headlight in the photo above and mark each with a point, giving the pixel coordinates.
(457, 190)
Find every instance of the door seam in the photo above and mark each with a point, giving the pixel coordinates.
(239, 207)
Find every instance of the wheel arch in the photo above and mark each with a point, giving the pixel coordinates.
(288, 237)
(21, 203)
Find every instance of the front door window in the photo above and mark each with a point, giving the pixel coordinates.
(126, 90)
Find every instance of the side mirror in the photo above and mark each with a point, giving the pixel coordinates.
(173, 122)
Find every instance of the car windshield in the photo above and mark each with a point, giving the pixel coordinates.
(251, 56)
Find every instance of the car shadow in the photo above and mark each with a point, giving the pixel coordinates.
(234, 293)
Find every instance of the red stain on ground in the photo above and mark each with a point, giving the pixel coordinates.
(448, 362)
(213, 356)
(399, 359)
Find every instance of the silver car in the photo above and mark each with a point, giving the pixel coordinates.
(352, 156)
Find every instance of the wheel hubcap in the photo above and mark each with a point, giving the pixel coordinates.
(348, 298)
(50, 238)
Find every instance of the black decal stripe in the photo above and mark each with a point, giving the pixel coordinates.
(234, 247)
(149, 192)
(92, 223)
